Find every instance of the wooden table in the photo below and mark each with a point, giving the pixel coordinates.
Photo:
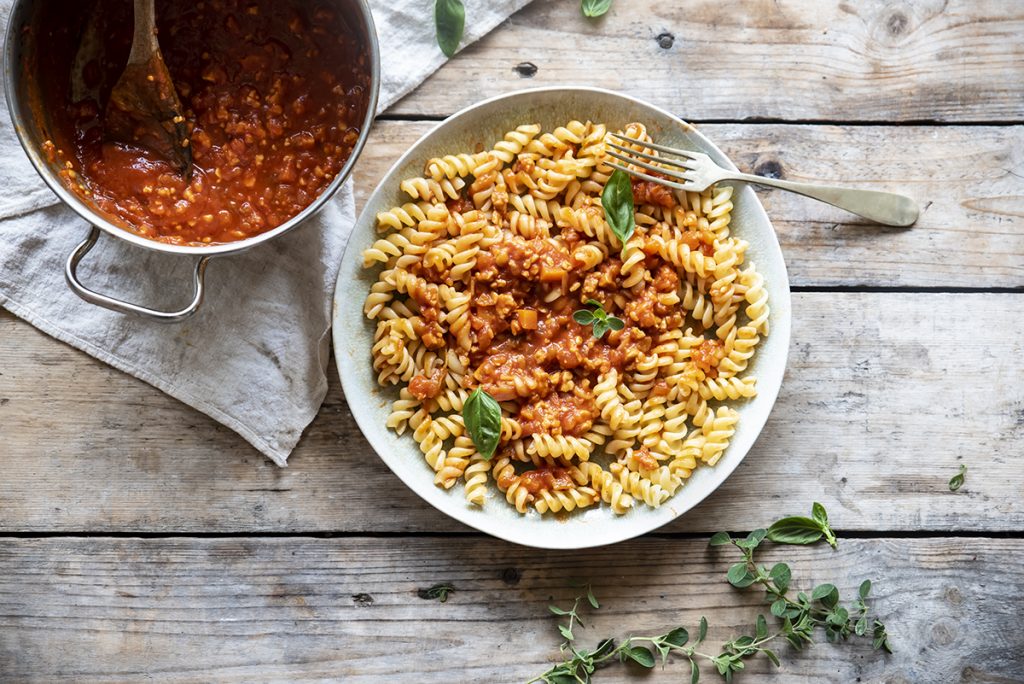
(142, 540)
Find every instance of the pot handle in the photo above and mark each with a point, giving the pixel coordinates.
(71, 275)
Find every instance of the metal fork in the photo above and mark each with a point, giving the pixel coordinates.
(697, 171)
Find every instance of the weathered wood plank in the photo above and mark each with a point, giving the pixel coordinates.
(299, 609)
(885, 395)
(969, 182)
(936, 60)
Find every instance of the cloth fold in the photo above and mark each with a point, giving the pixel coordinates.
(255, 356)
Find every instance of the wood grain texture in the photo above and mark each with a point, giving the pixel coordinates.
(871, 60)
(884, 396)
(249, 610)
(968, 181)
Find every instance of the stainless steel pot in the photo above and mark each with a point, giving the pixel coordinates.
(23, 93)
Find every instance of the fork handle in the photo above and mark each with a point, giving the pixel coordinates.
(886, 208)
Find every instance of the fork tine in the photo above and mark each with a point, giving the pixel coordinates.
(650, 167)
(655, 146)
(650, 157)
(661, 181)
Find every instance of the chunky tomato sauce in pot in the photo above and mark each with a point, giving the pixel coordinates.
(276, 92)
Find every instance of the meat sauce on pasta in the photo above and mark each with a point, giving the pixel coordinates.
(482, 271)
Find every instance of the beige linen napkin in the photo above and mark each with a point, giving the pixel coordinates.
(255, 355)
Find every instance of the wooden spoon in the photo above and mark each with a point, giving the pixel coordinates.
(144, 108)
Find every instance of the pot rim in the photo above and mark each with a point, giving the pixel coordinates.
(22, 128)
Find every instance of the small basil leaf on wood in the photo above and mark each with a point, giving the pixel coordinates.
(595, 8)
(795, 530)
(957, 481)
(619, 210)
(450, 21)
(482, 416)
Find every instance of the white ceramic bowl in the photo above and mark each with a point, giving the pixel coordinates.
(485, 123)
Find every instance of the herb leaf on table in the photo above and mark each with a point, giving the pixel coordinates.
(796, 618)
(595, 8)
(450, 22)
(957, 481)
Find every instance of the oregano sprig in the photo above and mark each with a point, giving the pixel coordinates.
(797, 618)
(597, 317)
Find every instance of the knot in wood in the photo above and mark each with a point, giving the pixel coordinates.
(525, 69)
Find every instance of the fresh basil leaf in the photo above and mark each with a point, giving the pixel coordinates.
(957, 481)
(744, 641)
(482, 416)
(861, 627)
(639, 655)
(617, 200)
(772, 657)
(600, 328)
(557, 611)
(566, 633)
(795, 530)
(702, 631)
(591, 598)
(865, 589)
(694, 672)
(780, 574)
(450, 21)
(778, 607)
(677, 637)
(615, 323)
(595, 8)
(818, 513)
(583, 316)
(719, 539)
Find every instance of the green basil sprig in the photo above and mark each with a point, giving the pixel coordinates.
(450, 20)
(601, 321)
(595, 8)
(799, 530)
(482, 416)
(617, 200)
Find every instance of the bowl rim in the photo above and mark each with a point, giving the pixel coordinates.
(422, 484)
(23, 128)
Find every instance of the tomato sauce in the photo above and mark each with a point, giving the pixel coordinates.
(275, 91)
